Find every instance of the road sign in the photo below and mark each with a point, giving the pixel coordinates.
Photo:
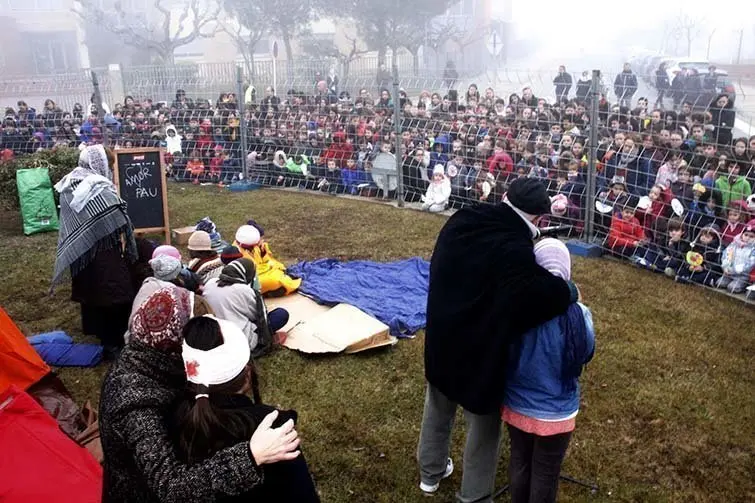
(494, 42)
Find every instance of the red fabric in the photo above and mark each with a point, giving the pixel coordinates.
(624, 233)
(19, 363)
(339, 150)
(500, 164)
(216, 165)
(39, 462)
(730, 232)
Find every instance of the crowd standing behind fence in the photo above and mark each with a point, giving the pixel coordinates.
(669, 188)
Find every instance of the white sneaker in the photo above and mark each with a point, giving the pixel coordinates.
(430, 489)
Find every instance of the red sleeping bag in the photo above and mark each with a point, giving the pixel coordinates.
(39, 462)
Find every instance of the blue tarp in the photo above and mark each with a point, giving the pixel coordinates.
(57, 348)
(394, 292)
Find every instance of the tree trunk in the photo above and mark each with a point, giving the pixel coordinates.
(415, 62)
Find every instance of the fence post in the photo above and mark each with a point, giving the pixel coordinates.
(397, 129)
(100, 111)
(240, 98)
(593, 161)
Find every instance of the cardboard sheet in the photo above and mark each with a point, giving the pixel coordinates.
(299, 307)
(314, 328)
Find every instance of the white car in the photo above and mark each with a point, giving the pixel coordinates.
(674, 66)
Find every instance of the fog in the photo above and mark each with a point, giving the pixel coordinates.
(590, 32)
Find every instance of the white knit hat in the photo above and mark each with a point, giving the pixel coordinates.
(438, 170)
(220, 364)
(247, 235)
(553, 255)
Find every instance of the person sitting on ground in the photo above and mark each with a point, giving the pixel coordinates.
(217, 412)
(271, 272)
(438, 192)
(231, 253)
(140, 459)
(704, 258)
(233, 298)
(738, 261)
(205, 261)
(626, 236)
(186, 278)
(541, 399)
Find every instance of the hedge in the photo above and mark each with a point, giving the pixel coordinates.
(60, 162)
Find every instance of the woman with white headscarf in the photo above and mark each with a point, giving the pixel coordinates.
(95, 247)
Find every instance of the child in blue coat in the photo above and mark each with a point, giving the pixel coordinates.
(541, 398)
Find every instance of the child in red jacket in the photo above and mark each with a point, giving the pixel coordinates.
(626, 236)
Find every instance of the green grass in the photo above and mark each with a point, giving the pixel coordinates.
(668, 404)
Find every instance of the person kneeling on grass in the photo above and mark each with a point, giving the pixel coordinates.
(233, 298)
(217, 412)
(541, 399)
(438, 192)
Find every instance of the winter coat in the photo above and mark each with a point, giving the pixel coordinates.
(583, 89)
(736, 191)
(711, 253)
(172, 143)
(106, 281)
(563, 83)
(661, 80)
(534, 384)
(730, 232)
(738, 260)
(236, 303)
(485, 291)
(438, 193)
(140, 457)
(723, 119)
(624, 233)
(625, 84)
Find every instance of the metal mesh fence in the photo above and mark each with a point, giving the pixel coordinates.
(664, 180)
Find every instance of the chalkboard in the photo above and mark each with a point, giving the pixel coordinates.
(141, 183)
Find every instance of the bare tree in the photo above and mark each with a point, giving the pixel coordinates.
(710, 40)
(283, 18)
(160, 31)
(689, 28)
(246, 37)
(467, 35)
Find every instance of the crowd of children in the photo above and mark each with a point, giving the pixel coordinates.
(663, 166)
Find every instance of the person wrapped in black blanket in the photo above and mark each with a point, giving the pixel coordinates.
(485, 291)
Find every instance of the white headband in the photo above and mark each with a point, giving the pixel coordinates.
(221, 364)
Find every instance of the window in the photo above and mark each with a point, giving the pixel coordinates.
(52, 52)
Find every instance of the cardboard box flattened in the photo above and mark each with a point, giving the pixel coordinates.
(300, 308)
(343, 328)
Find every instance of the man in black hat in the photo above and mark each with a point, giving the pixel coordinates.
(485, 291)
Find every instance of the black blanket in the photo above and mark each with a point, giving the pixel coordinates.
(485, 290)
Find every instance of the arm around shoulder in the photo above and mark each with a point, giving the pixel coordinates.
(229, 472)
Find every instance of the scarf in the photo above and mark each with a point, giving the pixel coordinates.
(92, 216)
(239, 272)
(159, 318)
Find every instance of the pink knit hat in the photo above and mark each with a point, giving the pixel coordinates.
(168, 250)
(553, 255)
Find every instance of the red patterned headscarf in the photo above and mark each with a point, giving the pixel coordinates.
(161, 317)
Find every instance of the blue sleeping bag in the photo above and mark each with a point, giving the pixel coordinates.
(58, 349)
(394, 292)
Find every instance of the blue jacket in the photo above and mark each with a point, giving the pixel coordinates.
(534, 386)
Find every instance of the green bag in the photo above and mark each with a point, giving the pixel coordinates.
(37, 200)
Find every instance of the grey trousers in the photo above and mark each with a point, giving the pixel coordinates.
(480, 451)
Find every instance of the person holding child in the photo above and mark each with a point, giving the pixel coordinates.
(486, 290)
(541, 399)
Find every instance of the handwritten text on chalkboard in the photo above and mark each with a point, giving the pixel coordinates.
(136, 174)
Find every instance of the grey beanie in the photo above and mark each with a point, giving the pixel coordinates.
(165, 267)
